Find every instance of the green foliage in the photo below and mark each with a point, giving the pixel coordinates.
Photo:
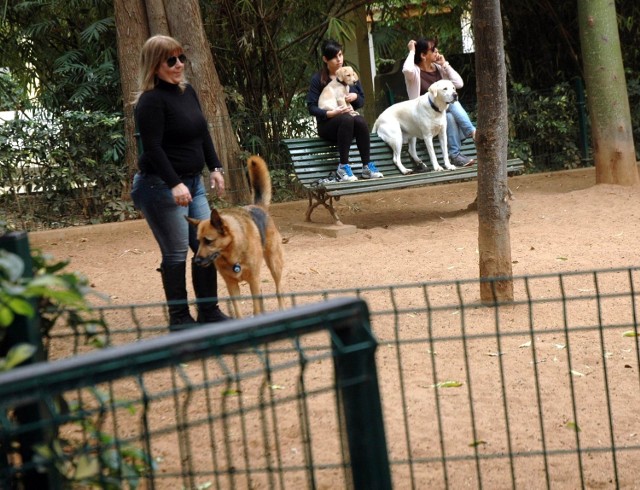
(55, 295)
(72, 164)
(285, 185)
(65, 51)
(51, 292)
(12, 95)
(544, 127)
(633, 90)
(117, 465)
(398, 22)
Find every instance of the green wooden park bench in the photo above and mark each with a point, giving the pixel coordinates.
(314, 159)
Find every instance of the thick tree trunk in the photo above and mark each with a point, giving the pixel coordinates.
(157, 18)
(494, 241)
(131, 31)
(607, 99)
(136, 20)
(185, 23)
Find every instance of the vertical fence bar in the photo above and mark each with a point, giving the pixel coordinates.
(26, 330)
(582, 121)
(359, 394)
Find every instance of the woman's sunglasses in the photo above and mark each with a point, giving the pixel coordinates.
(171, 61)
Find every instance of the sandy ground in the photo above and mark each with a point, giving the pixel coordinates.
(560, 222)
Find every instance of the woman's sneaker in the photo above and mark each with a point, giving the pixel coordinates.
(371, 172)
(461, 160)
(345, 174)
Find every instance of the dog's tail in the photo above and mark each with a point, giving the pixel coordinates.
(260, 181)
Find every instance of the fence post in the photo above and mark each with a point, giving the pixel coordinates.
(26, 330)
(582, 122)
(360, 405)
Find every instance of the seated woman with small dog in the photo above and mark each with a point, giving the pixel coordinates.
(338, 125)
(425, 65)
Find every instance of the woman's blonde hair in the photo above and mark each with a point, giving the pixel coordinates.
(154, 52)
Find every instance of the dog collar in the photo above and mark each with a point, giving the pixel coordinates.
(435, 108)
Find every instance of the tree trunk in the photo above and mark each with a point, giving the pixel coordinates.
(157, 18)
(136, 20)
(185, 23)
(131, 31)
(494, 209)
(607, 99)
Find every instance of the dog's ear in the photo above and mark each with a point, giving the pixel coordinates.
(193, 221)
(216, 221)
(340, 74)
(433, 90)
(355, 76)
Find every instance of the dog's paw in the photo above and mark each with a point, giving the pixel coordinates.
(438, 168)
(407, 171)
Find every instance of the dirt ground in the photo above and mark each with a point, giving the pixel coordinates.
(560, 222)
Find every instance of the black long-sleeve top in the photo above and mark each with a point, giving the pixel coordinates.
(174, 133)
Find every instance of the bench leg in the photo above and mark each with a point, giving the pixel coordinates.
(320, 198)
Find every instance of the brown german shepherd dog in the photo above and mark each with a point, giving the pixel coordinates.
(237, 239)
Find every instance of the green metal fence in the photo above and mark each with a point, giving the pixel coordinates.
(287, 400)
(538, 393)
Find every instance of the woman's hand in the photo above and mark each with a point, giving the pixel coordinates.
(181, 194)
(351, 97)
(440, 60)
(217, 183)
(343, 109)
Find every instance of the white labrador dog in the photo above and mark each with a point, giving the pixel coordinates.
(333, 95)
(424, 117)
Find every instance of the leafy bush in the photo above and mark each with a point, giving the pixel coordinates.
(633, 91)
(71, 165)
(55, 294)
(544, 127)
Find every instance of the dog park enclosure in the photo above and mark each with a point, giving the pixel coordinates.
(559, 221)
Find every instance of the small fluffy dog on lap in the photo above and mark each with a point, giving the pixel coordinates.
(333, 95)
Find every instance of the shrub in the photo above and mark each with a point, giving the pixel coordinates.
(71, 166)
(544, 127)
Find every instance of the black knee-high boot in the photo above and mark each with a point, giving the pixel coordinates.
(174, 283)
(205, 285)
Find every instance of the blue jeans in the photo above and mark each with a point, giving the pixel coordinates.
(459, 127)
(174, 234)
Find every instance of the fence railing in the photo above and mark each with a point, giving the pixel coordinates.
(286, 400)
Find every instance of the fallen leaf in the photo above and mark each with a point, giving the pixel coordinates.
(448, 384)
(574, 426)
(477, 443)
(526, 344)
